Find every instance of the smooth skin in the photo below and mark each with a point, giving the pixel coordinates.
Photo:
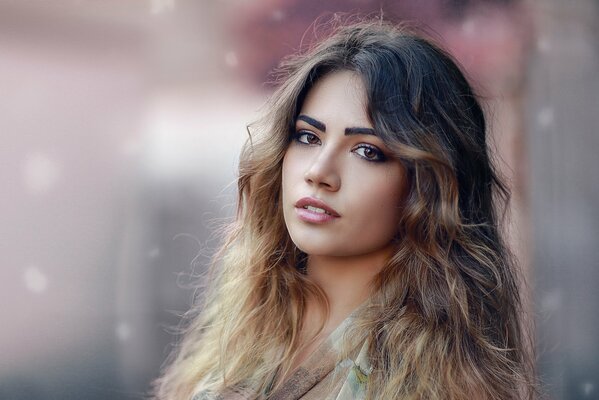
(333, 158)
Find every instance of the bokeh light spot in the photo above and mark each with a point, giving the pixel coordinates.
(231, 59)
(40, 172)
(277, 15)
(587, 388)
(123, 331)
(153, 253)
(545, 117)
(552, 301)
(543, 45)
(35, 280)
(159, 6)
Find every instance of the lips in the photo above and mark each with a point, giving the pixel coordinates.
(314, 202)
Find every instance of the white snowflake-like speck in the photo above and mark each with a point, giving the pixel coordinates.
(469, 27)
(543, 45)
(40, 172)
(35, 280)
(154, 252)
(123, 331)
(546, 117)
(231, 59)
(277, 15)
(551, 302)
(158, 6)
(587, 388)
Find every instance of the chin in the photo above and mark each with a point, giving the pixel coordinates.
(312, 247)
(322, 249)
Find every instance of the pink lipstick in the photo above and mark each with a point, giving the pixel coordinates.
(311, 209)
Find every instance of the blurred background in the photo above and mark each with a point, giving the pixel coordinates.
(121, 123)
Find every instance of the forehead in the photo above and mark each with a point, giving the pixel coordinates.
(338, 95)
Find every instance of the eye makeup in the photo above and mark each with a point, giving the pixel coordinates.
(365, 151)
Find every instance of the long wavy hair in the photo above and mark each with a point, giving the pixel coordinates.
(444, 320)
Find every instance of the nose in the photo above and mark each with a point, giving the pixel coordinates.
(323, 172)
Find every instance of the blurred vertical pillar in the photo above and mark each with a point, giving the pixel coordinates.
(563, 144)
(74, 81)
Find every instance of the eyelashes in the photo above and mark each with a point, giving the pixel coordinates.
(376, 154)
(367, 152)
(311, 138)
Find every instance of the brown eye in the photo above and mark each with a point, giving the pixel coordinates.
(370, 153)
(306, 138)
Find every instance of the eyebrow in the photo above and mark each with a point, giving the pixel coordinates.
(348, 131)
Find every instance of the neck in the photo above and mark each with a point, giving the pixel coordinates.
(346, 280)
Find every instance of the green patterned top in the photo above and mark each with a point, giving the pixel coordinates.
(320, 377)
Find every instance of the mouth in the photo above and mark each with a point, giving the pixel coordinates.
(316, 210)
(316, 206)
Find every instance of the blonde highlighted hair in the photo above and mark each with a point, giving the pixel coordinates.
(445, 318)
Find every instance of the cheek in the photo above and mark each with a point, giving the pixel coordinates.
(380, 202)
(290, 173)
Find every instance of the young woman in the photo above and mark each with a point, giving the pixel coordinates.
(365, 260)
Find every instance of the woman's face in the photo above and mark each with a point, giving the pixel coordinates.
(334, 157)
